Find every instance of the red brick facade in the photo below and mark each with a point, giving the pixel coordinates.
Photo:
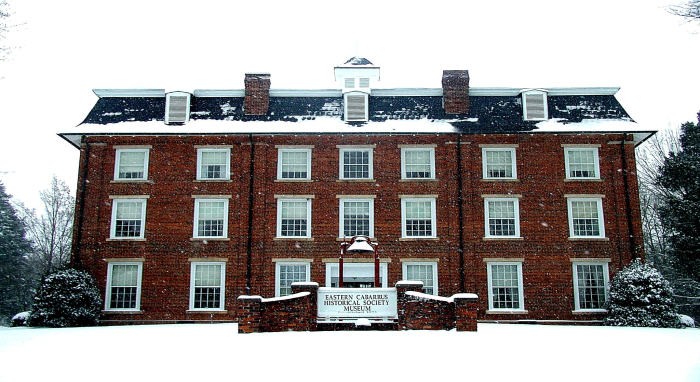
(544, 249)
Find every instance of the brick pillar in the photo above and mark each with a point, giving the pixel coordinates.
(455, 91)
(312, 312)
(466, 309)
(402, 300)
(257, 93)
(249, 314)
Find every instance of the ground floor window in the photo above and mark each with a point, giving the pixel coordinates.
(422, 271)
(207, 286)
(287, 273)
(356, 275)
(590, 285)
(505, 283)
(123, 286)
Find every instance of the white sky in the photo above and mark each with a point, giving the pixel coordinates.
(66, 48)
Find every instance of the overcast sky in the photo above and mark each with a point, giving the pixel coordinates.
(64, 49)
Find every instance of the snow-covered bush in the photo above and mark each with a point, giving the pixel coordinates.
(640, 296)
(20, 319)
(66, 298)
(686, 321)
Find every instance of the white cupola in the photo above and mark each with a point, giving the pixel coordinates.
(355, 77)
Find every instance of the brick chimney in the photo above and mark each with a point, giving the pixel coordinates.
(455, 91)
(257, 93)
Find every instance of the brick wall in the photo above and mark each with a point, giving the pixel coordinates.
(168, 248)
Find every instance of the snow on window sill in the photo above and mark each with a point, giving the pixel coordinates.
(592, 238)
(126, 239)
(147, 181)
(589, 311)
(113, 311)
(210, 239)
(212, 311)
(294, 180)
(501, 238)
(507, 312)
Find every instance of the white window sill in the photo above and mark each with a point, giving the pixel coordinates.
(418, 238)
(502, 238)
(282, 238)
(347, 238)
(500, 180)
(210, 239)
(295, 180)
(149, 181)
(112, 311)
(355, 180)
(583, 180)
(126, 239)
(418, 180)
(589, 311)
(496, 311)
(214, 180)
(593, 238)
(212, 311)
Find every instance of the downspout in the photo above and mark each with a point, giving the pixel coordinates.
(628, 201)
(249, 241)
(75, 256)
(460, 209)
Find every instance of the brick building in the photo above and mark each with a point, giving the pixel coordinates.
(526, 197)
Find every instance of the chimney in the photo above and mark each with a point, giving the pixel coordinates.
(257, 93)
(455, 91)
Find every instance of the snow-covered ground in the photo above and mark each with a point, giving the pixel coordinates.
(218, 353)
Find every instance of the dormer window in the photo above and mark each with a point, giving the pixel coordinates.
(356, 106)
(177, 108)
(361, 82)
(534, 105)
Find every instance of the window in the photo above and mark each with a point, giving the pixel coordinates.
(498, 163)
(417, 163)
(128, 218)
(177, 108)
(356, 163)
(585, 218)
(123, 286)
(502, 217)
(207, 286)
(294, 164)
(294, 218)
(213, 164)
(581, 163)
(505, 283)
(288, 273)
(210, 218)
(131, 164)
(534, 105)
(590, 285)
(356, 275)
(418, 218)
(356, 217)
(422, 271)
(356, 106)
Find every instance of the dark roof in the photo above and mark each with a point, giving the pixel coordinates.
(487, 114)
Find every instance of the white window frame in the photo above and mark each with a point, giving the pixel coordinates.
(280, 154)
(601, 219)
(142, 218)
(365, 101)
(118, 160)
(542, 94)
(433, 264)
(169, 118)
(341, 209)
(280, 264)
(370, 158)
(195, 230)
(222, 286)
(521, 290)
(108, 289)
(516, 213)
(431, 155)
(606, 283)
(227, 171)
(485, 164)
(280, 202)
(596, 163)
(348, 270)
(433, 217)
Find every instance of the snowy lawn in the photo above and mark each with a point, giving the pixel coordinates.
(217, 353)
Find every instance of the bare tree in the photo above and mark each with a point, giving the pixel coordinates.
(690, 10)
(650, 158)
(52, 231)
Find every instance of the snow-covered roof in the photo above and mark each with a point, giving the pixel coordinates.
(391, 111)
